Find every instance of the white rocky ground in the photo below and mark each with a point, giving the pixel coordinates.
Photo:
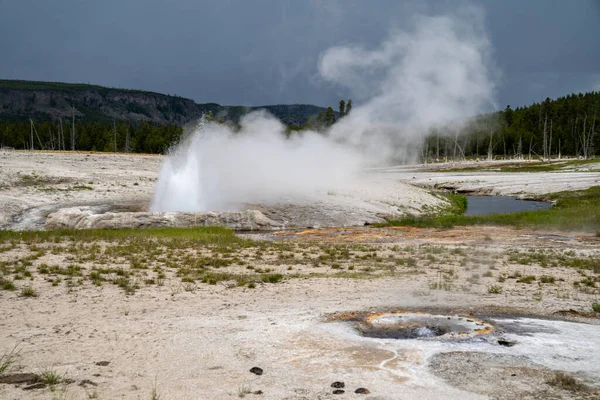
(34, 184)
(199, 341)
(519, 184)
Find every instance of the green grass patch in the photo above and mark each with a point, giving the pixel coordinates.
(573, 211)
(5, 284)
(531, 166)
(8, 359)
(198, 235)
(526, 279)
(28, 291)
(272, 278)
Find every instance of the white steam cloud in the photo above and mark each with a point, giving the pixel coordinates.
(435, 76)
(219, 169)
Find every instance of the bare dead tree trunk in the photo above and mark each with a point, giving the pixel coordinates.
(445, 150)
(460, 149)
(115, 134)
(31, 134)
(575, 137)
(62, 134)
(490, 156)
(127, 149)
(455, 144)
(590, 136)
(550, 142)
(584, 139)
(73, 131)
(58, 137)
(520, 148)
(530, 147)
(51, 137)
(545, 139)
(36, 134)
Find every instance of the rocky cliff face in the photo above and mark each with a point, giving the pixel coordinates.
(94, 103)
(46, 101)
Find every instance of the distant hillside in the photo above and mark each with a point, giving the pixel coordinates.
(48, 101)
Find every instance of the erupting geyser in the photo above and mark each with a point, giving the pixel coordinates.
(217, 168)
(435, 76)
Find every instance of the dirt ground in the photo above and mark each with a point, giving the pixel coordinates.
(148, 318)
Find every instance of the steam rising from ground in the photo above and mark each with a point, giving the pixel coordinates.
(435, 76)
(219, 169)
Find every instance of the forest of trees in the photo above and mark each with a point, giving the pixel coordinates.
(566, 126)
(139, 137)
(550, 129)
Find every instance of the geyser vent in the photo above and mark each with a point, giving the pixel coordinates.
(421, 326)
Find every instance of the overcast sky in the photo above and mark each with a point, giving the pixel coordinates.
(256, 52)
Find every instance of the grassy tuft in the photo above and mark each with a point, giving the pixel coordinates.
(28, 291)
(5, 284)
(495, 289)
(7, 360)
(526, 279)
(272, 278)
(50, 377)
(244, 390)
(566, 382)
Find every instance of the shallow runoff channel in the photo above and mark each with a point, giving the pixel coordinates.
(486, 205)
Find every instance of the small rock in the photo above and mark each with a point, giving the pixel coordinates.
(256, 370)
(338, 385)
(35, 386)
(103, 363)
(362, 391)
(87, 382)
(19, 378)
(338, 391)
(506, 343)
(258, 392)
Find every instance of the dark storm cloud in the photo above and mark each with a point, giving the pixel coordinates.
(267, 51)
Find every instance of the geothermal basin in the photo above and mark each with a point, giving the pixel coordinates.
(190, 318)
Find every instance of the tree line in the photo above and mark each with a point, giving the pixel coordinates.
(549, 129)
(118, 136)
(553, 128)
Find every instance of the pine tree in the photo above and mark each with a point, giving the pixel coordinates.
(342, 108)
(348, 106)
(329, 116)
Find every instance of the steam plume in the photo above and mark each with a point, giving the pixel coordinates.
(435, 75)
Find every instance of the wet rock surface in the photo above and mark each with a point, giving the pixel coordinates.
(39, 385)
(19, 378)
(506, 343)
(516, 376)
(87, 218)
